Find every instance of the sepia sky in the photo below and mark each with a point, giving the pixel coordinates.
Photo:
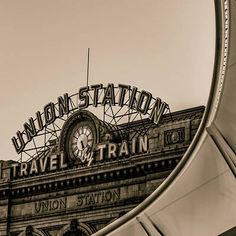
(165, 47)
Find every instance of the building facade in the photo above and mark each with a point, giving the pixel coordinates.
(92, 174)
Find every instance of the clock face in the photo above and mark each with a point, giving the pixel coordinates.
(81, 140)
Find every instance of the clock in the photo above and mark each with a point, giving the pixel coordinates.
(81, 140)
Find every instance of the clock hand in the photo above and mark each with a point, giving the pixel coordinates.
(82, 144)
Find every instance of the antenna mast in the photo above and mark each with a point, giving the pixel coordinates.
(88, 66)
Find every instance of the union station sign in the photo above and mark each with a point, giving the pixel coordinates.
(84, 138)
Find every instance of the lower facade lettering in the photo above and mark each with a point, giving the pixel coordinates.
(50, 205)
(107, 196)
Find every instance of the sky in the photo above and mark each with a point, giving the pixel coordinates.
(164, 47)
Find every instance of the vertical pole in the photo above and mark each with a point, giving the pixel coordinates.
(88, 66)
